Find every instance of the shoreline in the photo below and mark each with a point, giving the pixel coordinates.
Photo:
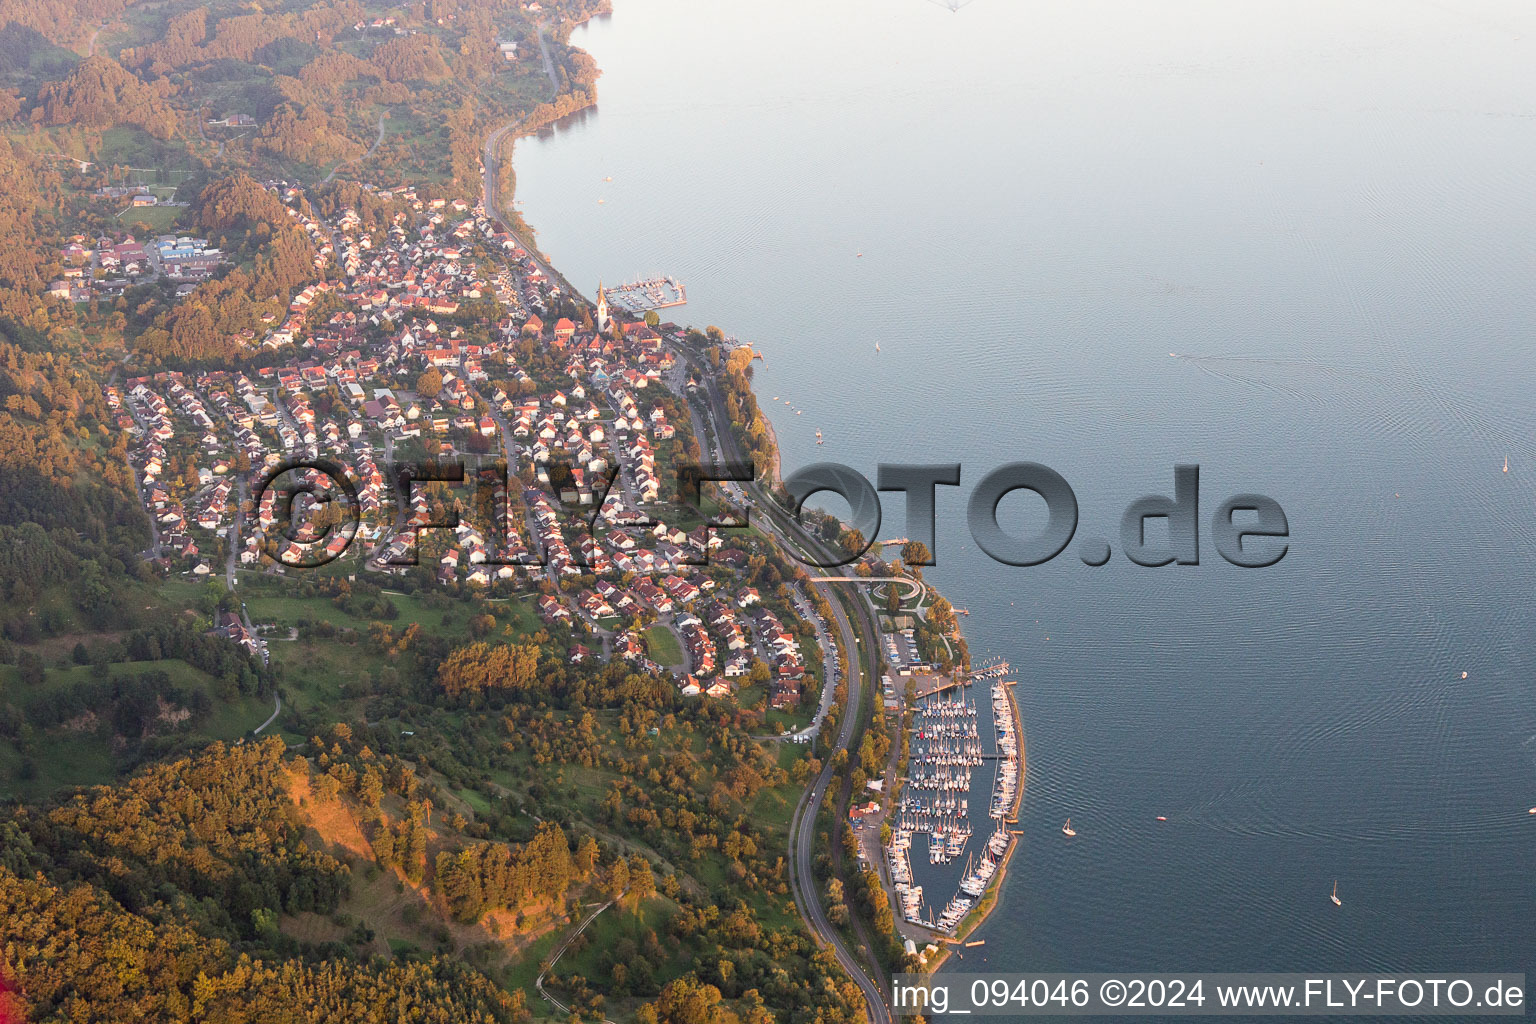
(504, 147)
(775, 464)
(991, 897)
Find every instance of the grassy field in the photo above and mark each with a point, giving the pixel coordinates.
(522, 973)
(663, 645)
(161, 219)
(909, 602)
(619, 921)
(327, 674)
(775, 721)
(477, 801)
(774, 807)
(285, 609)
(519, 611)
(84, 755)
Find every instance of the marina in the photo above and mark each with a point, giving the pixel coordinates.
(1372, 732)
(956, 733)
(644, 294)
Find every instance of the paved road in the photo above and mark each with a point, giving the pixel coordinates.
(492, 210)
(261, 646)
(549, 64)
(858, 639)
(803, 833)
(156, 547)
(491, 200)
(829, 676)
(234, 534)
(916, 589)
(802, 829)
(275, 712)
(503, 434)
(565, 943)
(802, 825)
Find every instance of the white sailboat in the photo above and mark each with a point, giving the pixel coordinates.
(1067, 829)
(1335, 897)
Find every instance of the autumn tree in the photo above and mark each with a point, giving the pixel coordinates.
(642, 884)
(480, 666)
(687, 1000)
(101, 93)
(616, 880)
(915, 552)
(430, 383)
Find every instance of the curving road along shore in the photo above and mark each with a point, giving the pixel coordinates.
(857, 637)
(859, 641)
(490, 200)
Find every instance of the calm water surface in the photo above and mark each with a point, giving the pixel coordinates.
(1325, 210)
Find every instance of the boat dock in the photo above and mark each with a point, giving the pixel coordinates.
(935, 814)
(995, 669)
(648, 293)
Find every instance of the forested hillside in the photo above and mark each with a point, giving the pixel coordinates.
(232, 233)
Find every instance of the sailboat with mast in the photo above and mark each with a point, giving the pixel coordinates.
(1335, 897)
(1067, 829)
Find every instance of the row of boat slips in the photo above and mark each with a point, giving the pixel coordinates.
(650, 293)
(1006, 788)
(946, 748)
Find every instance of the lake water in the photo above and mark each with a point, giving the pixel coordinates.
(1325, 210)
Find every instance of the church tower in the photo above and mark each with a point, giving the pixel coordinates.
(602, 309)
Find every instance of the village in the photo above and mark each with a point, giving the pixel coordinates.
(105, 268)
(377, 364)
